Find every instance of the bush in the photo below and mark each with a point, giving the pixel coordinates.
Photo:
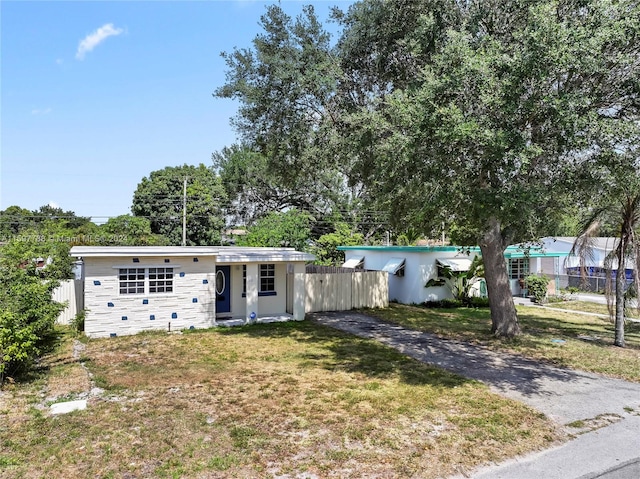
(537, 286)
(478, 302)
(444, 303)
(77, 323)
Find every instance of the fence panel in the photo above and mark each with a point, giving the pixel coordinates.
(69, 291)
(345, 291)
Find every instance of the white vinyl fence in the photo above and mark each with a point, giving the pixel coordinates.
(69, 291)
(342, 291)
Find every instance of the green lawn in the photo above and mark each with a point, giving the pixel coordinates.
(587, 340)
(254, 402)
(589, 307)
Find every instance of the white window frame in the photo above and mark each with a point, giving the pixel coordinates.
(163, 282)
(267, 276)
(521, 270)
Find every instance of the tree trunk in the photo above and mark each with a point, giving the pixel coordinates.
(620, 287)
(504, 320)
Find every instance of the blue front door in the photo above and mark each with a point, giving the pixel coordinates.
(223, 289)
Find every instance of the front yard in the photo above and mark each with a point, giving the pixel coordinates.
(280, 400)
(562, 338)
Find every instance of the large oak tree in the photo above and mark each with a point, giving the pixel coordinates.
(478, 113)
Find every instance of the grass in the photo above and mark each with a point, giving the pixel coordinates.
(587, 340)
(277, 400)
(589, 307)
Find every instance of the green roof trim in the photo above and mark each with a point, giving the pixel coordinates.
(511, 251)
(412, 249)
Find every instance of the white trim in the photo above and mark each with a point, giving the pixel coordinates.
(147, 287)
(142, 251)
(145, 265)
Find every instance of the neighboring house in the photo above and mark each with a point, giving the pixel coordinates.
(411, 267)
(128, 289)
(593, 262)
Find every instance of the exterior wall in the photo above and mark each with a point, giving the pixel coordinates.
(270, 305)
(106, 307)
(267, 305)
(420, 267)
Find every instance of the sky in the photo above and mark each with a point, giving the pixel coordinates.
(94, 96)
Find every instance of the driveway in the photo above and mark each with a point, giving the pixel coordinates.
(563, 395)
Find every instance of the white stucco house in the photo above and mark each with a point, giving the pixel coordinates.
(129, 289)
(594, 263)
(411, 267)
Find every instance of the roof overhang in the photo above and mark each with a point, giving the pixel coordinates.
(141, 251)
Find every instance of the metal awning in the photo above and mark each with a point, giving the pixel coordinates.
(354, 262)
(394, 265)
(455, 264)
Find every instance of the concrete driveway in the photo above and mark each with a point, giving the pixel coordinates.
(563, 395)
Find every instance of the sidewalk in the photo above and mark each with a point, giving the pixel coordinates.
(563, 395)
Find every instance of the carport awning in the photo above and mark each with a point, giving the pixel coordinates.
(354, 262)
(394, 265)
(455, 264)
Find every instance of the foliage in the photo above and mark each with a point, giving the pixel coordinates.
(447, 303)
(159, 198)
(408, 238)
(47, 222)
(483, 114)
(77, 323)
(620, 204)
(288, 122)
(29, 272)
(326, 247)
(459, 283)
(537, 287)
(288, 229)
(130, 231)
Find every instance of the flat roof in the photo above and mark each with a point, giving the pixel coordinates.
(223, 254)
(115, 251)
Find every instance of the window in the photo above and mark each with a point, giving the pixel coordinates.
(267, 278)
(131, 280)
(244, 279)
(145, 280)
(160, 280)
(518, 268)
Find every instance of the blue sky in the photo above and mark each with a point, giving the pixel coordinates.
(96, 95)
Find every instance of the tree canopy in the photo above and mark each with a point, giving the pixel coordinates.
(159, 198)
(483, 114)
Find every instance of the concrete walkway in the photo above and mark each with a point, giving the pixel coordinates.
(563, 395)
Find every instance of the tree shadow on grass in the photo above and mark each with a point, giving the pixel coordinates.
(334, 350)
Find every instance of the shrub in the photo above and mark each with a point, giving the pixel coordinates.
(444, 303)
(77, 323)
(477, 302)
(537, 286)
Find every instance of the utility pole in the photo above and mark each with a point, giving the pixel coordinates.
(184, 212)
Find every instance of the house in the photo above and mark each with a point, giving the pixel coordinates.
(411, 267)
(590, 272)
(594, 263)
(129, 289)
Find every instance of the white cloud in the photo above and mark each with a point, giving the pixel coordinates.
(94, 39)
(41, 111)
(53, 204)
(59, 61)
